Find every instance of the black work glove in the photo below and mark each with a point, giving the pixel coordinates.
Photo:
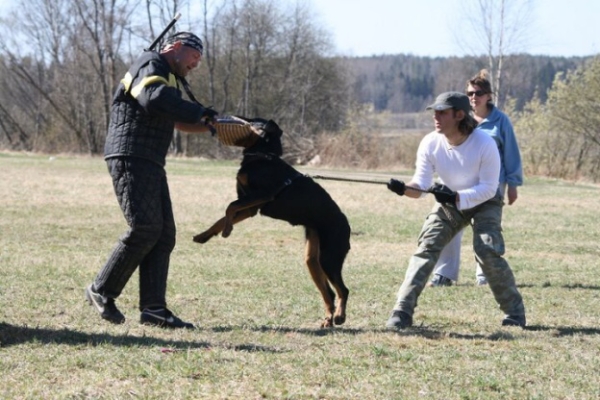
(443, 194)
(396, 186)
(209, 115)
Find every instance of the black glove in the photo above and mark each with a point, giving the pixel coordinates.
(443, 194)
(209, 115)
(396, 186)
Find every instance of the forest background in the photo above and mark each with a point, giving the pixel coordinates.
(60, 61)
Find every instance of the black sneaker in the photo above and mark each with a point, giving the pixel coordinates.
(104, 305)
(399, 320)
(514, 320)
(163, 318)
(439, 280)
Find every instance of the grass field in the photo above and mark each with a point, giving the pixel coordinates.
(258, 312)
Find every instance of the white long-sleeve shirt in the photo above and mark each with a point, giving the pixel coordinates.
(471, 169)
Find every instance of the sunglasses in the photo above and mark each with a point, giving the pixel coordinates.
(477, 93)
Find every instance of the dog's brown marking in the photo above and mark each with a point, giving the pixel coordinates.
(322, 282)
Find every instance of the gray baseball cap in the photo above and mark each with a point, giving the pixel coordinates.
(456, 100)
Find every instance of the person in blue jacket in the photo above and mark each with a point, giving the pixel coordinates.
(497, 124)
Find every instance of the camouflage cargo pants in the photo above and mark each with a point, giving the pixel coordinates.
(488, 244)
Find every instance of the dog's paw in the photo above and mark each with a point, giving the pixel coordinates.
(202, 237)
(327, 323)
(227, 231)
(339, 319)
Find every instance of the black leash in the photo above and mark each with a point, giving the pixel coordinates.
(188, 91)
(445, 207)
(338, 178)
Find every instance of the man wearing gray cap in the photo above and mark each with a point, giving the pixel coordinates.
(146, 108)
(467, 163)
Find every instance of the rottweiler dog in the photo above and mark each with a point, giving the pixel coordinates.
(268, 184)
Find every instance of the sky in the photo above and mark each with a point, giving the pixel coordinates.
(428, 27)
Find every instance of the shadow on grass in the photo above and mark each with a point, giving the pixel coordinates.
(510, 333)
(11, 335)
(434, 334)
(507, 334)
(414, 331)
(569, 286)
(581, 286)
(484, 287)
(284, 329)
(564, 330)
(543, 285)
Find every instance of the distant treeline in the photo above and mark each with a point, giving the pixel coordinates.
(406, 83)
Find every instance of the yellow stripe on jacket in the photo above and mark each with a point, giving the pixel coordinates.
(146, 81)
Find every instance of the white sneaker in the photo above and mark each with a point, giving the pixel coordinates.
(439, 280)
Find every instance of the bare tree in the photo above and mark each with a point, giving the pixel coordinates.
(8, 123)
(496, 29)
(262, 61)
(97, 37)
(74, 66)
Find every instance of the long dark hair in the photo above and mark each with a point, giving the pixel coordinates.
(468, 124)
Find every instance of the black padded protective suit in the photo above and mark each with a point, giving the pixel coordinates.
(145, 107)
